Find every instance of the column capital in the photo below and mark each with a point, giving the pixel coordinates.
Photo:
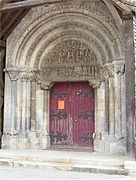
(46, 85)
(34, 75)
(14, 75)
(24, 76)
(112, 69)
(95, 84)
(119, 67)
(108, 71)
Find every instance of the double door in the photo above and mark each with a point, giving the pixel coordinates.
(72, 115)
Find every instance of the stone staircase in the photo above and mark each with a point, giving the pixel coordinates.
(66, 160)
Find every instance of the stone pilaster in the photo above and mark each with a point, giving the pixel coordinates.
(129, 85)
(116, 129)
(119, 69)
(45, 131)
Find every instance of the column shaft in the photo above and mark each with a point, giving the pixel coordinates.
(33, 106)
(24, 106)
(46, 112)
(107, 105)
(118, 107)
(13, 107)
(111, 107)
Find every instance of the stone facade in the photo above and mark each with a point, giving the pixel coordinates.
(71, 41)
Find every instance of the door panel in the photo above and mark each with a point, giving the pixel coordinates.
(72, 115)
(59, 114)
(83, 115)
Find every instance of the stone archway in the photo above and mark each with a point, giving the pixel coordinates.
(70, 41)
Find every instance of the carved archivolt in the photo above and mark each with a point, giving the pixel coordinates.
(44, 27)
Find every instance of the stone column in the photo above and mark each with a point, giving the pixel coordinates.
(111, 107)
(108, 76)
(14, 77)
(97, 134)
(45, 131)
(119, 69)
(24, 77)
(109, 101)
(33, 107)
(107, 106)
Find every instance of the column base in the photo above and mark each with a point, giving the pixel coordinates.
(9, 142)
(45, 141)
(108, 144)
(19, 142)
(118, 147)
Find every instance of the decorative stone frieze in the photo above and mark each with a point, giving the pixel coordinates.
(23, 75)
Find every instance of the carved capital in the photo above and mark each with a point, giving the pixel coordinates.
(14, 75)
(108, 71)
(24, 76)
(119, 68)
(34, 76)
(46, 85)
(95, 84)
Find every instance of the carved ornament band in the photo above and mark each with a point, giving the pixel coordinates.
(22, 75)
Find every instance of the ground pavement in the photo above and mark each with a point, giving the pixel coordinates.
(17, 173)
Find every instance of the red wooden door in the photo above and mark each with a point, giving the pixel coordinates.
(72, 115)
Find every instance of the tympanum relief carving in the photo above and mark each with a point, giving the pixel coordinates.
(70, 60)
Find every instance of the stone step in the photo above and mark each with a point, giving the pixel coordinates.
(79, 167)
(64, 158)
